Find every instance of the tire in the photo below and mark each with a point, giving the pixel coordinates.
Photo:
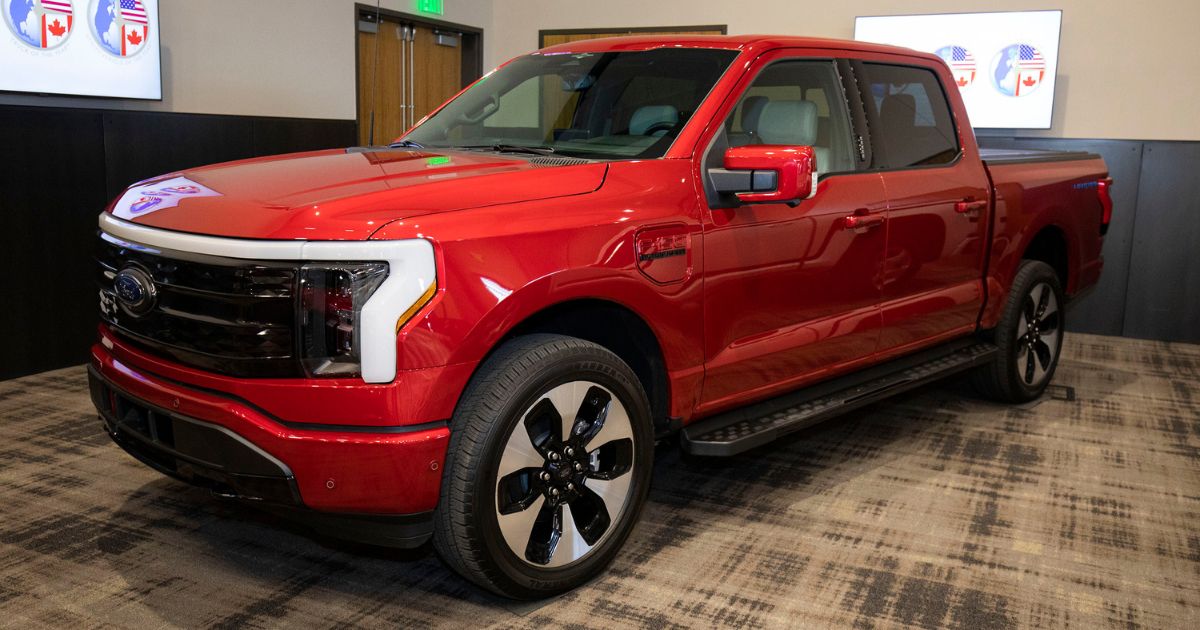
(523, 513)
(1029, 335)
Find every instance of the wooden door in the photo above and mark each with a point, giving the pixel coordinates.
(437, 70)
(410, 75)
(380, 82)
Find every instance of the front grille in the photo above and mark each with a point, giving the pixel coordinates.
(231, 316)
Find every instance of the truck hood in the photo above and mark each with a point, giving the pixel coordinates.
(344, 194)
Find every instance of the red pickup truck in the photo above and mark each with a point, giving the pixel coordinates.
(478, 333)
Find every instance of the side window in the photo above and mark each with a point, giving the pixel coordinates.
(914, 126)
(796, 103)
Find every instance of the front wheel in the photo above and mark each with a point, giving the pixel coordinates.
(1029, 335)
(548, 466)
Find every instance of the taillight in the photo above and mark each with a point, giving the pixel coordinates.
(1104, 191)
(331, 302)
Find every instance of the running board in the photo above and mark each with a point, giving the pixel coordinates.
(742, 429)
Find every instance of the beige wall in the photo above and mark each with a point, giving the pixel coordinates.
(291, 58)
(1127, 70)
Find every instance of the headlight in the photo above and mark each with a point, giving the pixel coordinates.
(331, 302)
(331, 299)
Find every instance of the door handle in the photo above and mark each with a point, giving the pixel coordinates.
(969, 206)
(862, 221)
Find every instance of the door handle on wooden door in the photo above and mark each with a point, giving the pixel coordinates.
(412, 89)
(408, 92)
(402, 32)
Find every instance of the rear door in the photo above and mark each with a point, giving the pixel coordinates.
(790, 293)
(932, 273)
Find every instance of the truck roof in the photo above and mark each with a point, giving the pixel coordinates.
(728, 42)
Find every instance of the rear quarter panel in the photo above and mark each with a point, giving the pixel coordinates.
(1031, 197)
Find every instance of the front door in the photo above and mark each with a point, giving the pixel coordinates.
(790, 294)
(932, 277)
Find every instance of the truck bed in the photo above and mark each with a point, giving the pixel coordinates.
(1023, 156)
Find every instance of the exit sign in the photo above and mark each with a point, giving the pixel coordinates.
(432, 7)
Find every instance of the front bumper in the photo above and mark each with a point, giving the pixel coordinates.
(386, 479)
(200, 453)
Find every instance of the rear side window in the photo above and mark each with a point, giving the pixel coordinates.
(914, 126)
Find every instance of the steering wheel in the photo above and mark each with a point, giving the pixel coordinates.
(657, 127)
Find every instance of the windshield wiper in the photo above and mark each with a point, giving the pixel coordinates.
(510, 148)
(406, 144)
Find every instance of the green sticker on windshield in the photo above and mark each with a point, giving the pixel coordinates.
(435, 161)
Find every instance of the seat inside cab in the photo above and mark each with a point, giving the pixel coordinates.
(789, 104)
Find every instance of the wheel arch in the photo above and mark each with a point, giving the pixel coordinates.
(1051, 246)
(615, 327)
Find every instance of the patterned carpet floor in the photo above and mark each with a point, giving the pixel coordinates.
(932, 510)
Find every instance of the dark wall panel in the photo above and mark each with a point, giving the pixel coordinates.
(1163, 300)
(58, 169)
(51, 189)
(1151, 283)
(270, 136)
(138, 145)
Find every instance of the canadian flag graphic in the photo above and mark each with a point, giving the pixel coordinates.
(55, 29)
(135, 27)
(57, 19)
(133, 37)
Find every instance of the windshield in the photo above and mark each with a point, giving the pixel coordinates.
(607, 105)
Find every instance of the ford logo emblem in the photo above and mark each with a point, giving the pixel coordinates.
(135, 291)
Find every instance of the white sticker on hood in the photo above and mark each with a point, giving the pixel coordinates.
(143, 199)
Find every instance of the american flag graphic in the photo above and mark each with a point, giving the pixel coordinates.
(961, 58)
(1031, 69)
(961, 62)
(1030, 59)
(57, 6)
(134, 11)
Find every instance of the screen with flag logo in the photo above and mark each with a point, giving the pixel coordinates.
(1004, 63)
(81, 47)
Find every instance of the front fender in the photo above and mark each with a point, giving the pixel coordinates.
(498, 265)
(484, 294)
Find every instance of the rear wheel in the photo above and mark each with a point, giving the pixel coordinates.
(1029, 335)
(548, 466)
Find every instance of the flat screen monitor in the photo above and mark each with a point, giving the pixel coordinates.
(1004, 63)
(81, 48)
